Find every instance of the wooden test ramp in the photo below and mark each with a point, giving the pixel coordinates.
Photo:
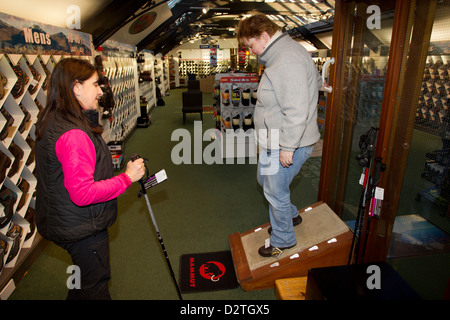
(323, 240)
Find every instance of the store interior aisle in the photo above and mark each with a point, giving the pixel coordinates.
(195, 209)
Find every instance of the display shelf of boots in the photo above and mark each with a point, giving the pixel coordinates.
(433, 116)
(147, 89)
(24, 94)
(123, 77)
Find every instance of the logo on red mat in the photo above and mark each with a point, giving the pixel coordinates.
(212, 270)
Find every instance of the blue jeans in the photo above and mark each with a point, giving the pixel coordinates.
(275, 181)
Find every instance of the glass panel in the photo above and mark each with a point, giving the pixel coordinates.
(364, 80)
(422, 223)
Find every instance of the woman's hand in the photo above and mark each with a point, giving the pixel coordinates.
(135, 169)
(286, 158)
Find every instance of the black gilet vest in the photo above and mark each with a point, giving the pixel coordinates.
(57, 218)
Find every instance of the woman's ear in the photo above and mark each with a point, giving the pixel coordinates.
(77, 89)
(265, 35)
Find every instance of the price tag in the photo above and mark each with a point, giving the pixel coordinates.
(379, 193)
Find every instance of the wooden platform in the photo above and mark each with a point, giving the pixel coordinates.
(291, 288)
(322, 240)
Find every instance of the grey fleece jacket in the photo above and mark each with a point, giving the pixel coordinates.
(286, 110)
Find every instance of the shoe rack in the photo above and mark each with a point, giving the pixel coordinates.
(162, 74)
(434, 101)
(123, 78)
(174, 68)
(147, 89)
(24, 94)
(202, 67)
(433, 116)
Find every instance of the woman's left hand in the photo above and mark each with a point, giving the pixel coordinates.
(286, 158)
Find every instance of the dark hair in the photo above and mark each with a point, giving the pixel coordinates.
(61, 100)
(254, 26)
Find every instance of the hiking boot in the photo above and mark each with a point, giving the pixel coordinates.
(271, 251)
(5, 162)
(295, 222)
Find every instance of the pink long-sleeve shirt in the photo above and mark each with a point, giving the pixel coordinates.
(77, 155)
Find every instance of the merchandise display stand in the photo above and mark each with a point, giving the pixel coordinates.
(322, 240)
(433, 117)
(174, 75)
(121, 69)
(237, 104)
(147, 87)
(23, 98)
(162, 74)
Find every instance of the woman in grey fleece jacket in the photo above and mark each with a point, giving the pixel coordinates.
(285, 121)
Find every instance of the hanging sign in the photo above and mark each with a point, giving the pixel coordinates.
(239, 79)
(145, 23)
(21, 36)
(113, 48)
(241, 55)
(213, 57)
(207, 46)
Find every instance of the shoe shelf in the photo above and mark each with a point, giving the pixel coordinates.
(434, 102)
(433, 116)
(25, 79)
(202, 67)
(123, 79)
(147, 89)
(174, 68)
(162, 74)
(166, 75)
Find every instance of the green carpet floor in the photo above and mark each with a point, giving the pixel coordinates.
(195, 209)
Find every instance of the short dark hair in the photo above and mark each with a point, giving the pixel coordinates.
(254, 26)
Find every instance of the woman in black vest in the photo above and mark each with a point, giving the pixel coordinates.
(76, 190)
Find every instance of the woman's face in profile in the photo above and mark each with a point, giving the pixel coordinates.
(88, 92)
(257, 45)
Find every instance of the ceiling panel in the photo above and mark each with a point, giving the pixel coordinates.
(55, 13)
(183, 21)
